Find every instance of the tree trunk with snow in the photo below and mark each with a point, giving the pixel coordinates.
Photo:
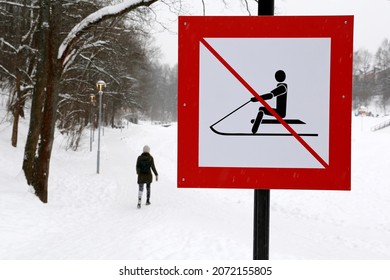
(16, 109)
(32, 161)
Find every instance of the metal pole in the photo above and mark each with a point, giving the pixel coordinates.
(261, 225)
(91, 125)
(99, 124)
(266, 7)
(104, 110)
(262, 197)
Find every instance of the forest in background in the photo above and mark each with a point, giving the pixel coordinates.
(371, 77)
(120, 52)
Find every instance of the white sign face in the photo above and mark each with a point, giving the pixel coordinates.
(292, 75)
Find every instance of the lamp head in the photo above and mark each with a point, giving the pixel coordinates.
(100, 85)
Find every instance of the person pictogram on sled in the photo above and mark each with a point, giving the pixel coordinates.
(280, 92)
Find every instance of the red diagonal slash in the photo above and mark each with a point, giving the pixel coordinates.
(265, 104)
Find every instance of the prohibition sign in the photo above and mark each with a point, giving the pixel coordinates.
(198, 49)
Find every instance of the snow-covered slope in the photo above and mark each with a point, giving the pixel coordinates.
(94, 216)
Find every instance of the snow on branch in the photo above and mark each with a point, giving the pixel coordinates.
(10, 3)
(73, 53)
(4, 42)
(7, 72)
(99, 16)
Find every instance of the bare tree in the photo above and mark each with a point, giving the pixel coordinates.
(382, 67)
(17, 59)
(55, 55)
(162, 93)
(382, 56)
(362, 83)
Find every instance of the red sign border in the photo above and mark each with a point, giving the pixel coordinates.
(192, 29)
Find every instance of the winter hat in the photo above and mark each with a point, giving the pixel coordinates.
(146, 149)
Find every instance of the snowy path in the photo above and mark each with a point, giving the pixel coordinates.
(94, 216)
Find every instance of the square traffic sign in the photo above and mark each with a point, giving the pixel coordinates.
(265, 103)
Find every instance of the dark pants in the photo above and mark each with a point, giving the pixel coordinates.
(141, 189)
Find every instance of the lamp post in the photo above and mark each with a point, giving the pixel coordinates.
(104, 116)
(92, 101)
(100, 86)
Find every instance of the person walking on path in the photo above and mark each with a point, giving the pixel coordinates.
(145, 166)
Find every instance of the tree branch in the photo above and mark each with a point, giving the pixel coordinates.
(97, 17)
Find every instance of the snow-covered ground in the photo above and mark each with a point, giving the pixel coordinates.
(94, 216)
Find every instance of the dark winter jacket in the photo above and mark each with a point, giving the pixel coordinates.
(145, 176)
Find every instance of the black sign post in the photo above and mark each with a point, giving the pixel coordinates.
(262, 197)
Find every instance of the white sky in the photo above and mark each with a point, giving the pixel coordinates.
(372, 18)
